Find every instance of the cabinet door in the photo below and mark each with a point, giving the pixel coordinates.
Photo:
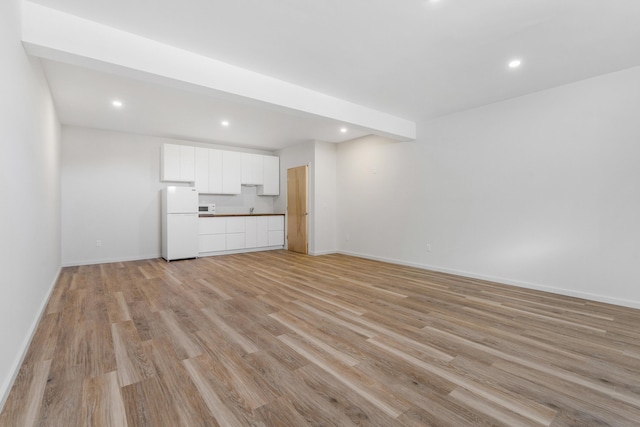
(235, 224)
(247, 168)
(257, 163)
(212, 243)
(178, 163)
(276, 238)
(262, 231)
(170, 162)
(235, 241)
(202, 170)
(271, 176)
(276, 222)
(215, 171)
(252, 169)
(187, 163)
(212, 225)
(231, 172)
(250, 231)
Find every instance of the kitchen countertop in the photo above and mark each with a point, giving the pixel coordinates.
(225, 215)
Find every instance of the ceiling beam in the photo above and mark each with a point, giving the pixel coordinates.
(55, 35)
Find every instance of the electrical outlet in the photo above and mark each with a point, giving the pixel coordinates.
(428, 247)
(348, 237)
(98, 243)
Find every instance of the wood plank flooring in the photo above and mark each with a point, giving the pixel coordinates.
(282, 339)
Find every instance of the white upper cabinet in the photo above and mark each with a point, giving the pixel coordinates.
(271, 176)
(231, 172)
(177, 163)
(208, 170)
(252, 169)
(215, 171)
(202, 170)
(219, 171)
(187, 163)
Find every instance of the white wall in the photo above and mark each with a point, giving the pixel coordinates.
(539, 191)
(291, 157)
(321, 158)
(29, 189)
(325, 154)
(111, 192)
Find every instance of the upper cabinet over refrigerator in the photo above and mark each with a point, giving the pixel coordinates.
(177, 163)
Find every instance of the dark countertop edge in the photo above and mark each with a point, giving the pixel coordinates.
(224, 215)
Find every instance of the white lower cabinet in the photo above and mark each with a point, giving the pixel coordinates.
(235, 241)
(212, 242)
(212, 225)
(276, 230)
(262, 231)
(250, 224)
(276, 238)
(212, 234)
(256, 231)
(276, 222)
(235, 224)
(237, 233)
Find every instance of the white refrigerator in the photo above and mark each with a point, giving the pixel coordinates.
(179, 223)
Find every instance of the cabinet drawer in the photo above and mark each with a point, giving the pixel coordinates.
(212, 225)
(212, 243)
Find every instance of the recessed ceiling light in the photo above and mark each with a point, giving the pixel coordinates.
(515, 63)
(116, 103)
(343, 130)
(224, 123)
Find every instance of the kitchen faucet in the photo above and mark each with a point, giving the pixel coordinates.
(250, 211)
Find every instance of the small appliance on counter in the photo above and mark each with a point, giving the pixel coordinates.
(208, 208)
(179, 223)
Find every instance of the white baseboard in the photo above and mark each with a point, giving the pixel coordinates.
(502, 280)
(318, 253)
(5, 389)
(109, 260)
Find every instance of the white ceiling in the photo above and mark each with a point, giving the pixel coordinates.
(83, 98)
(410, 58)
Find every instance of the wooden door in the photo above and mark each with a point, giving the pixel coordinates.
(298, 209)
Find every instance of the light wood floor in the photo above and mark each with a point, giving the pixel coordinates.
(280, 339)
